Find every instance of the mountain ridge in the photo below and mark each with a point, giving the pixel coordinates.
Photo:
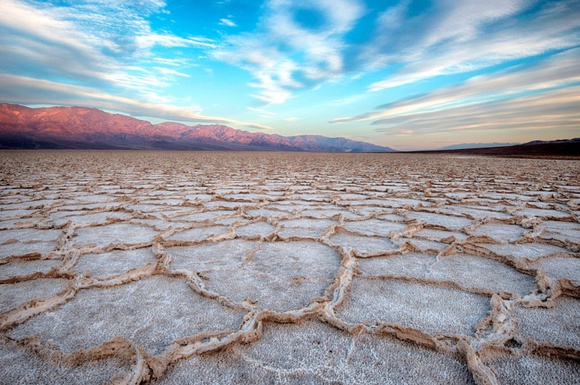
(91, 128)
(465, 146)
(567, 148)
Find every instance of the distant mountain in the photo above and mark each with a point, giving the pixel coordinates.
(90, 128)
(559, 147)
(462, 146)
(552, 142)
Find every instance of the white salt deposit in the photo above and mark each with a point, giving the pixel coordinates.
(432, 309)
(154, 312)
(171, 268)
(19, 293)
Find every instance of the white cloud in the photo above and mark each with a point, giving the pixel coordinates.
(175, 62)
(107, 45)
(544, 96)
(169, 71)
(17, 89)
(227, 22)
(284, 55)
(35, 37)
(260, 111)
(557, 71)
(152, 39)
(463, 36)
(348, 100)
(555, 111)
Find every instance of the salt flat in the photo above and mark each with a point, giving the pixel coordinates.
(204, 267)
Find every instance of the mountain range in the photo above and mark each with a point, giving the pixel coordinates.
(464, 146)
(90, 128)
(537, 148)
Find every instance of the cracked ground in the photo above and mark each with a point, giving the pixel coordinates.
(289, 268)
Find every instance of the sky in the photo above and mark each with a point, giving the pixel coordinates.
(408, 74)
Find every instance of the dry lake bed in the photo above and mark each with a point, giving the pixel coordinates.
(289, 268)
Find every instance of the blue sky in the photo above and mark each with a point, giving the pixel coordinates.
(405, 74)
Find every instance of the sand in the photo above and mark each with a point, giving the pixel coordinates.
(291, 268)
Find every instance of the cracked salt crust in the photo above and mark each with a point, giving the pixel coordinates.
(560, 268)
(16, 249)
(199, 233)
(534, 369)
(464, 269)
(461, 269)
(114, 262)
(154, 312)
(115, 233)
(255, 230)
(443, 236)
(19, 293)
(21, 366)
(431, 308)
(500, 232)
(559, 325)
(279, 276)
(364, 246)
(374, 227)
(28, 235)
(92, 219)
(440, 221)
(316, 353)
(525, 251)
(21, 268)
(210, 256)
(308, 223)
(426, 246)
(166, 267)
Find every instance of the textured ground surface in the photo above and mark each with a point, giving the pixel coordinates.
(173, 268)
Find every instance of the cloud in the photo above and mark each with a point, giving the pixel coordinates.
(169, 71)
(49, 50)
(544, 96)
(555, 111)
(152, 39)
(33, 38)
(285, 54)
(300, 45)
(557, 71)
(464, 36)
(89, 41)
(228, 23)
(111, 48)
(348, 100)
(17, 89)
(261, 112)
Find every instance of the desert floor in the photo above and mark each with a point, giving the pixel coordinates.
(290, 268)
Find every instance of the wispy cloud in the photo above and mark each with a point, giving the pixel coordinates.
(169, 71)
(285, 54)
(261, 112)
(348, 100)
(557, 71)
(288, 52)
(37, 39)
(132, 55)
(152, 39)
(16, 89)
(463, 36)
(227, 22)
(543, 96)
(553, 110)
(100, 53)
